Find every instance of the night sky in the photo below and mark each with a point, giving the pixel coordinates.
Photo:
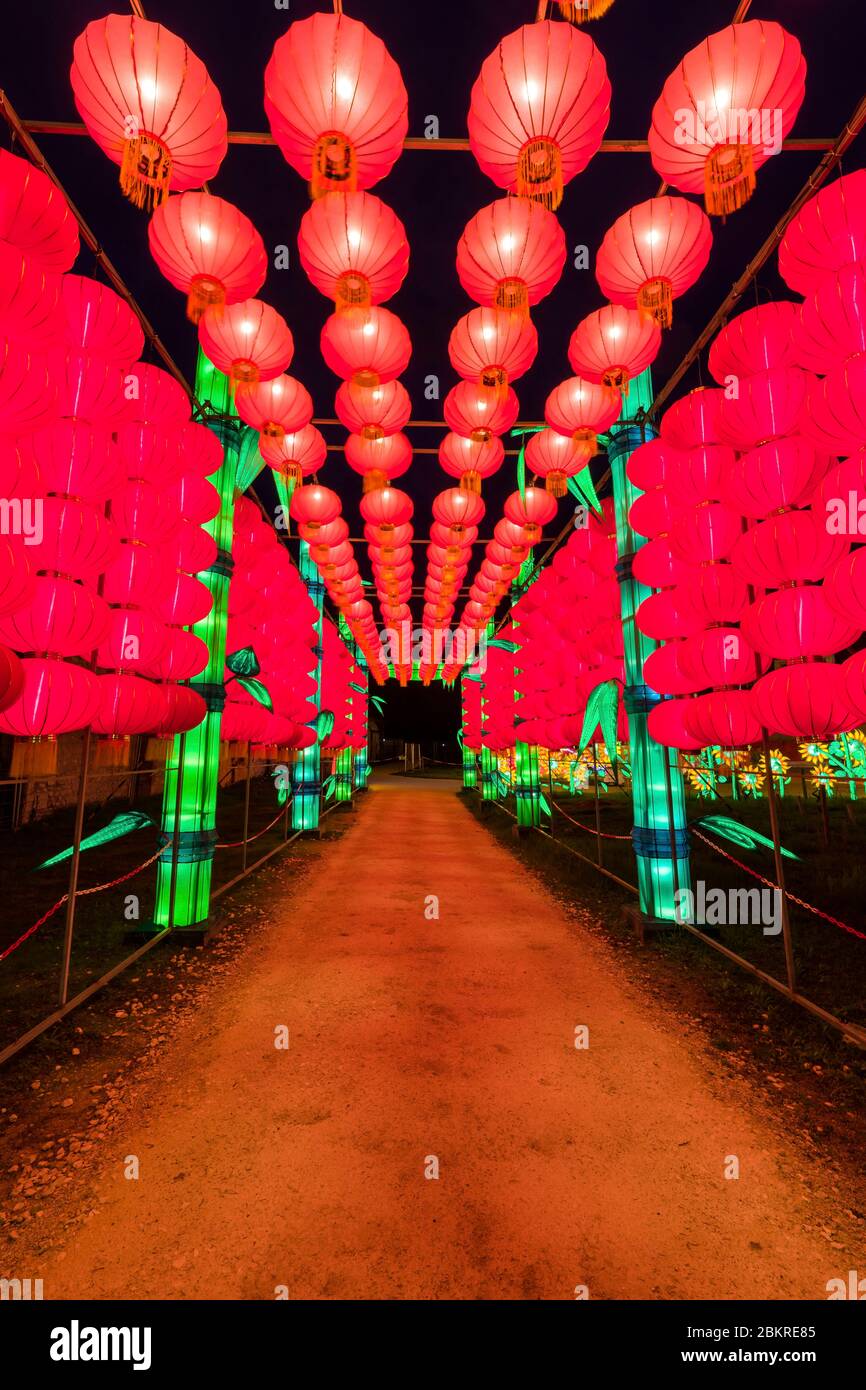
(439, 48)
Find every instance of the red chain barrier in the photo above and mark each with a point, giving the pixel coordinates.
(834, 921)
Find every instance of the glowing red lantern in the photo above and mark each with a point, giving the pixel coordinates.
(354, 249)
(96, 320)
(532, 511)
(458, 509)
(57, 698)
(613, 345)
(832, 325)
(336, 103)
(757, 340)
(653, 254)
(493, 348)
(314, 505)
(297, 454)
(725, 110)
(276, 407)
(792, 547)
(791, 623)
(511, 255)
(370, 348)
(378, 460)
(834, 417)
(666, 724)
(829, 232)
(209, 249)
(768, 406)
(724, 717)
(373, 411)
(28, 396)
(556, 458)
(471, 460)
(149, 104)
(782, 473)
(250, 342)
(479, 415)
(539, 109)
(35, 216)
(806, 700)
(582, 409)
(11, 678)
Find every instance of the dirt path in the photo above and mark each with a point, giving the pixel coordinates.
(411, 1039)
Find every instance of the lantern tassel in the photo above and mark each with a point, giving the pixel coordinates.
(145, 171)
(655, 301)
(34, 757)
(729, 179)
(539, 173)
(335, 165)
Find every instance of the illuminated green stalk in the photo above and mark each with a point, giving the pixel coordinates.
(659, 835)
(488, 779)
(361, 758)
(306, 806)
(200, 747)
(527, 786)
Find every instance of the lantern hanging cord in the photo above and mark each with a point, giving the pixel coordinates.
(236, 844)
(604, 834)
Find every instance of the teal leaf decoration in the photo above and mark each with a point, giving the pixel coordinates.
(243, 662)
(328, 787)
(460, 738)
(473, 678)
(379, 703)
(258, 691)
(323, 724)
(543, 802)
(123, 824)
(602, 708)
(504, 643)
(361, 689)
(250, 462)
(583, 488)
(743, 835)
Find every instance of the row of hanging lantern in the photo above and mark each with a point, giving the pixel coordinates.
(338, 109)
(751, 516)
(100, 449)
(538, 111)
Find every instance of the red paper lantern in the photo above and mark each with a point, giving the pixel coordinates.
(209, 249)
(613, 345)
(275, 408)
(96, 320)
(128, 705)
(57, 698)
(493, 348)
(693, 420)
(250, 342)
(556, 458)
(832, 324)
(724, 717)
(653, 254)
(532, 511)
(458, 509)
(829, 232)
(62, 619)
(725, 110)
(28, 395)
(791, 623)
(511, 255)
(314, 505)
(807, 700)
(378, 460)
(373, 411)
(11, 678)
(768, 406)
(834, 416)
(34, 215)
(149, 104)
(666, 724)
(336, 103)
(297, 454)
(479, 415)
(471, 460)
(354, 249)
(29, 300)
(791, 547)
(539, 109)
(582, 409)
(370, 348)
(782, 473)
(757, 340)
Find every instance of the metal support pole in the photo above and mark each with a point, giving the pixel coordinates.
(773, 805)
(247, 805)
(69, 926)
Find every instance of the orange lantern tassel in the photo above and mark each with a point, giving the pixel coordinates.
(145, 171)
(539, 172)
(335, 166)
(729, 179)
(655, 301)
